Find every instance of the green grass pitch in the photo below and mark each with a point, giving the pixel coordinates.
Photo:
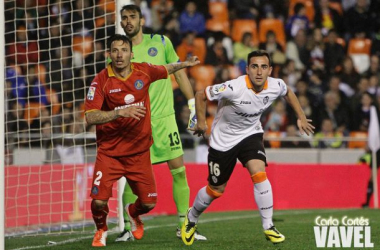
(225, 231)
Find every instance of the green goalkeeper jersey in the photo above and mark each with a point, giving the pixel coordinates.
(157, 49)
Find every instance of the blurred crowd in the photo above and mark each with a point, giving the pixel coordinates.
(326, 51)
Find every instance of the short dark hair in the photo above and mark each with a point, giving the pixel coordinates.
(118, 37)
(298, 7)
(332, 31)
(258, 53)
(245, 35)
(132, 7)
(335, 76)
(270, 33)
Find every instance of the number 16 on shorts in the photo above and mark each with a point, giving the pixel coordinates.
(214, 171)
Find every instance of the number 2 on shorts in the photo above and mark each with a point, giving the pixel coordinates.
(97, 180)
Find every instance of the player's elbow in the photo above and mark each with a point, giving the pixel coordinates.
(88, 118)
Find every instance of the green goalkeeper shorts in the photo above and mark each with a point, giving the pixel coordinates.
(167, 142)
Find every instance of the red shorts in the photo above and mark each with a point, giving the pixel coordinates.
(136, 168)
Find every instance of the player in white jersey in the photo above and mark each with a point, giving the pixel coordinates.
(237, 134)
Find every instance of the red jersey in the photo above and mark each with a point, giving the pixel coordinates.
(124, 136)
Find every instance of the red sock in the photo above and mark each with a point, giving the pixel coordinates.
(100, 216)
(136, 209)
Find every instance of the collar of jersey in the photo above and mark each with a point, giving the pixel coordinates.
(250, 86)
(112, 74)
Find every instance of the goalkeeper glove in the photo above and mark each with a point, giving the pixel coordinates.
(193, 116)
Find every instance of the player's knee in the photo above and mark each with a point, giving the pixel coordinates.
(176, 163)
(179, 172)
(146, 207)
(255, 166)
(259, 177)
(99, 204)
(215, 191)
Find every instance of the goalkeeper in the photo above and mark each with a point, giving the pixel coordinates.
(167, 147)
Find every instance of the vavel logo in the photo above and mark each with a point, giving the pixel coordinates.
(345, 233)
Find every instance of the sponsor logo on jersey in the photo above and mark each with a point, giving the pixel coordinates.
(114, 90)
(95, 190)
(152, 51)
(139, 84)
(250, 115)
(265, 100)
(152, 195)
(140, 104)
(129, 99)
(91, 93)
(245, 102)
(94, 83)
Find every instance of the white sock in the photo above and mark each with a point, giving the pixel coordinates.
(264, 201)
(201, 203)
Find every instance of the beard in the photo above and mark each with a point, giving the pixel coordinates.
(132, 32)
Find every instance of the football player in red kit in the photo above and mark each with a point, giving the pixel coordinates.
(118, 103)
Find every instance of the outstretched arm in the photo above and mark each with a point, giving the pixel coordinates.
(173, 67)
(304, 125)
(200, 104)
(101, 117)
(187, 90)
(184, 84)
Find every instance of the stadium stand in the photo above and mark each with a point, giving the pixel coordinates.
(277, 26)
(240, 26)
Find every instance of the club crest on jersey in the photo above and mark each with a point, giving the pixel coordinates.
(265, 100)
(129, 99)
(91, 93)
(152, 51)
(139, 84)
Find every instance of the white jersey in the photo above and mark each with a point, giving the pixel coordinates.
(240, 109)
